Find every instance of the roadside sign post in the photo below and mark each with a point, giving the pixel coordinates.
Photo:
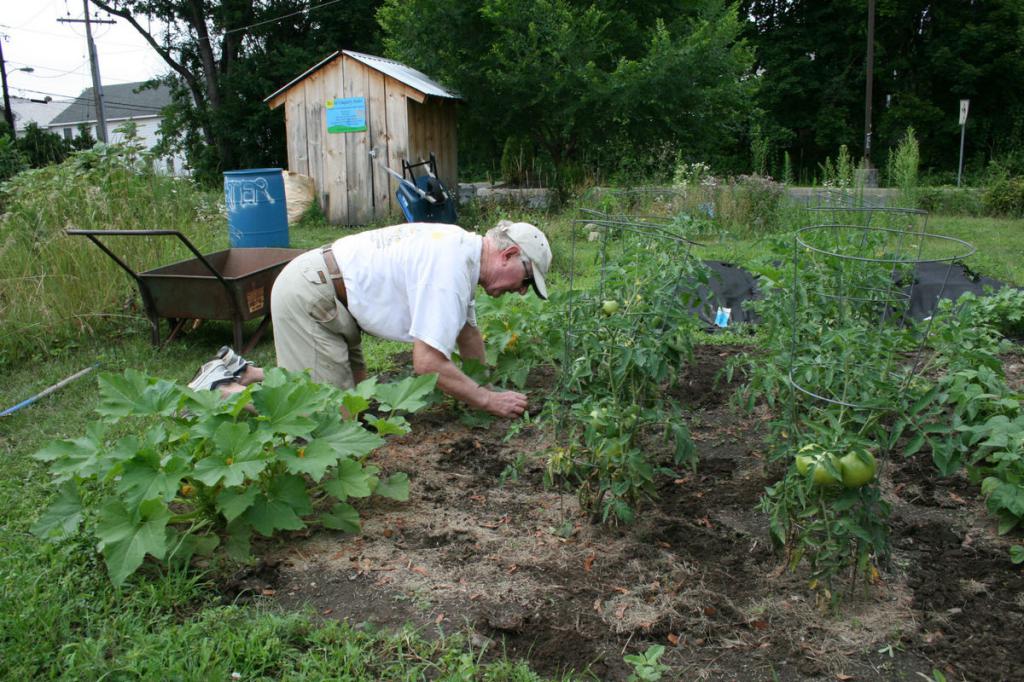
(964, 104)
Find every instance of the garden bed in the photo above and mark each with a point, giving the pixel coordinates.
(522, 567)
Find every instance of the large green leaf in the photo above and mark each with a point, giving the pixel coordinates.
(133, 393)
(127, 536)
(233, 472)
(395, 425)
(64, 514)
(84, 457)
(344, 517)
(313, 459)
(239, 545)
(232, 502)
(280, 507)
(292, 491)
(355, 404)
(201, 404)
(183, 546)
(409, 395)
(350, 481)
(120, 394)
(208, 426)
(146, 477)
(286, 408)
(396, 487)
(237, 440)
(349, 439)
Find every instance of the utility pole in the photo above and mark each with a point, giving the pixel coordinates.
(870, 178)
(870, 78)
(8, 114)
(97, 85)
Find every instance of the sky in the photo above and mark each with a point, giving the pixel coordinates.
(32, 37)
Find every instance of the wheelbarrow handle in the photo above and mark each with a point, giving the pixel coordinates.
(94, 235)
(412, 185)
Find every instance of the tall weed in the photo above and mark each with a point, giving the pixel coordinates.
(54, 287)
(903, 168)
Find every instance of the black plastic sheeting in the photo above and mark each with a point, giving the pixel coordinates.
(933, 281)
(730, 286)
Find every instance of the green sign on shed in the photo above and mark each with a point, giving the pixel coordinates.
(353, 112)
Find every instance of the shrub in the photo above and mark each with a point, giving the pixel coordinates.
(749, 204)
(951, 200)
(1005, 197)
(12, 160)
(41, 147)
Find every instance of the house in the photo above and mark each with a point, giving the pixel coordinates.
(38, 111)
(352, 114)
(121, 103)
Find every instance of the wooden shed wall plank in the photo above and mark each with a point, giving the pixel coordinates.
(295, 133)
(314, 105)
(377, 123)
(398, 137)
(334, 148)
(357, 150)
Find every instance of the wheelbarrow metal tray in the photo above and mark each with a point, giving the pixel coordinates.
(233, 284)
(187, 289)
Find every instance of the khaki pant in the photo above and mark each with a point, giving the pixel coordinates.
(312, 330)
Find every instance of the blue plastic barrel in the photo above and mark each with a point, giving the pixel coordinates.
(257, 214)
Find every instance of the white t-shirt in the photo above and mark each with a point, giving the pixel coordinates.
(412, 281)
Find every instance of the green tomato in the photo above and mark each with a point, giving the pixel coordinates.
(610, 307)
(813, 454)
(858, 468)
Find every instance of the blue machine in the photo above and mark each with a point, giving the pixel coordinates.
(424, 198)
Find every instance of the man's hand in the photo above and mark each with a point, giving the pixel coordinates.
(506, 403)
(452, 381)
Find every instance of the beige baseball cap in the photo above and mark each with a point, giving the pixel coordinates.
(534, 245)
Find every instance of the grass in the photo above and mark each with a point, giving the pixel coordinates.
(59, 615)
(61, 618)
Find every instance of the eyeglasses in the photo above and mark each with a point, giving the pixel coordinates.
(527, 272)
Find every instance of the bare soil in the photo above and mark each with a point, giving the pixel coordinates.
(522, 570)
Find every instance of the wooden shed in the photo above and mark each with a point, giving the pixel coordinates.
(352, 112)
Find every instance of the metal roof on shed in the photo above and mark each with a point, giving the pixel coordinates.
(389, 67)
(405, 74)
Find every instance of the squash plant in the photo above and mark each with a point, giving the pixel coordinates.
(168, 472)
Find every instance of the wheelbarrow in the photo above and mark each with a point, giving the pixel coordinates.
(233, 284)
(423, 198)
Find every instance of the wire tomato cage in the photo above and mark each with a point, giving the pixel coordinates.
(621, 229)
(854, 343)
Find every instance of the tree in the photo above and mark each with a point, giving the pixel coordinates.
(582, 80)
(225, 56)
(41, 147)
(928, 55)
(84, 139)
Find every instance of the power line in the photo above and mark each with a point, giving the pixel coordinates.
(282, 17)
(35, 16)
(60, 73)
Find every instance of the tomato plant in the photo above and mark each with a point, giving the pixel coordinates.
(844, 373)
(197, 470)
(625, 342)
